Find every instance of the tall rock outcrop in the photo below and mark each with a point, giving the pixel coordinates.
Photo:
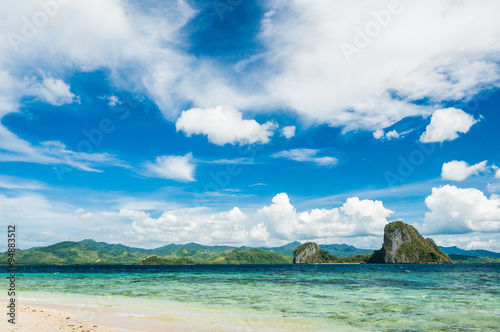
(311, 253)
(403, 244)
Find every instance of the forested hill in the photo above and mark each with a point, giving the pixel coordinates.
(92, 252)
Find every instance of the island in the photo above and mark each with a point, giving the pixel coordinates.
(402, 244)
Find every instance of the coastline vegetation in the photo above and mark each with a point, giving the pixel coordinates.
(89, 252)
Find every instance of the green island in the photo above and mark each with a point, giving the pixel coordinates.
(402, 244)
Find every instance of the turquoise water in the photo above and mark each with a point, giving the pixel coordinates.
(324, 297)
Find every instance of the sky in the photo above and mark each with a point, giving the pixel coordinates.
(249, 122)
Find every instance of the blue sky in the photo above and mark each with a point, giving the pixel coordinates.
(249, 122)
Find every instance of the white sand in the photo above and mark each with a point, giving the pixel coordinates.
(48, 317)
(45, 317)
(31, 318)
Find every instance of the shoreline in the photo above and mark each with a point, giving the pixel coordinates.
(48, 317)
(35, 318)
(41, 316)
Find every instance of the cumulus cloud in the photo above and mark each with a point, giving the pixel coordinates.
(306, 155)
(392, 134)
(185, 225)
(457, 211)
(460, 170)
(380, 134)
(113, 101)
(446, 124)
(273, 224)
(288, 131)
(224, 125)
(356, 217)
(178, 168)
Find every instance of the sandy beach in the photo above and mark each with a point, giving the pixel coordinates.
(32, 318)
(47, 317)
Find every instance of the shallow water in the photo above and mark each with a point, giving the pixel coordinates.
(410, 297)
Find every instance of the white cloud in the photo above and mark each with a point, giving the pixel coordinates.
(356, 222)
(88, 215)
(446, 124)
(392, 134)
(306, 155)
(53, 91)
(113, 101)
(224, 125)
(380, 134)
(184, 226)
(15, 183)
(277, 223)
(14, 148)
(405, 62)
(178, 168)
(137, 42)
(495, 185)
(47, 221)
(240, 161)
(38, 217)
(128, 213)
(488, 245)
(457, 211)
(259, 184)
(460, 170)
(470, 241)
(288, 131)
(355, 218)
(305, 69)
(84, 215)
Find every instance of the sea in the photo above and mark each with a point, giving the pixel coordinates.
(322, 297)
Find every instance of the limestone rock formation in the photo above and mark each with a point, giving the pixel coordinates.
(403, 244)
(311, 253)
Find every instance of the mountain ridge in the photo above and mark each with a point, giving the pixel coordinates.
(89, 251)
